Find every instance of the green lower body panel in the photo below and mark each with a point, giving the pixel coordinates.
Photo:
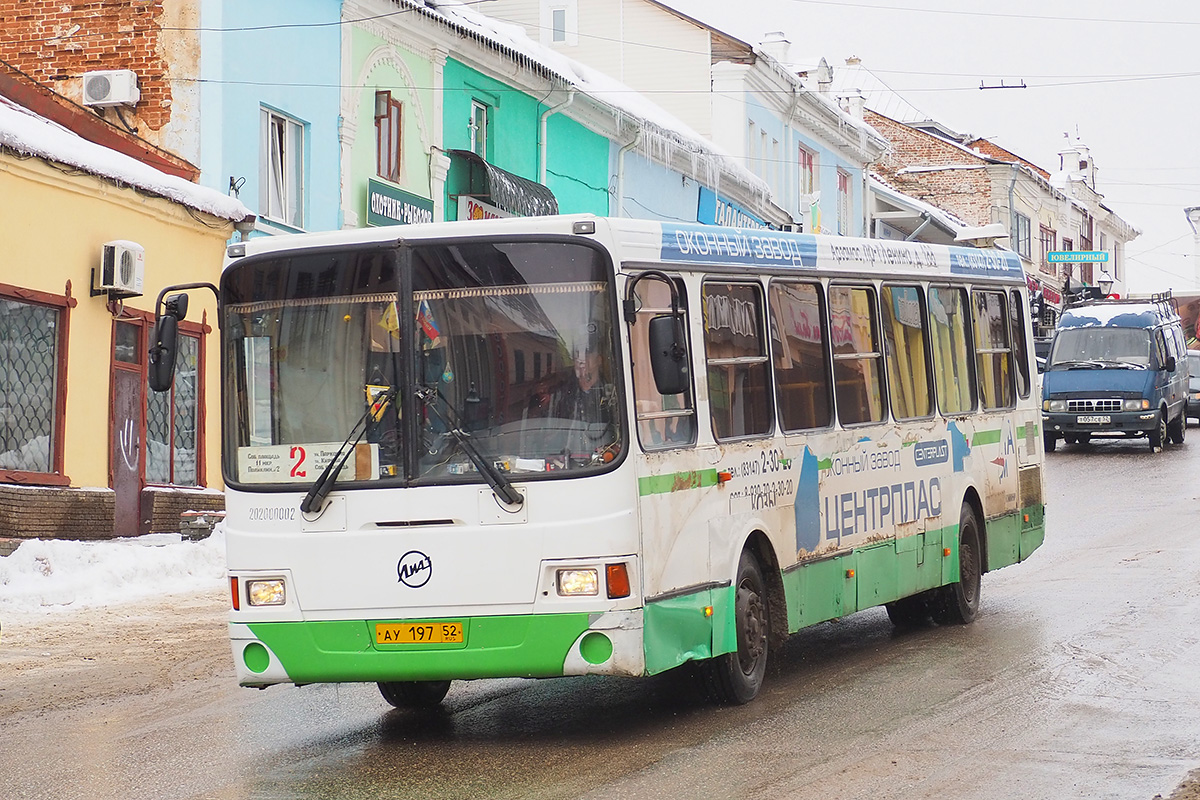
(531, 646)
(689, 627)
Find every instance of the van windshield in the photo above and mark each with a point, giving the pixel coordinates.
(1099, 347)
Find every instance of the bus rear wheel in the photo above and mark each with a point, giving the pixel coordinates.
(958, 603)
(414, 694)
(735, 678)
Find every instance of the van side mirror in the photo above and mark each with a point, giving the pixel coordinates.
(668, 355)
(164, 349)
(1170, 365)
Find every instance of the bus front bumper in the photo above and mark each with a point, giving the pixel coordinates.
(529, 646)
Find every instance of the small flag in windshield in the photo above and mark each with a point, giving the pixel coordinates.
(429, 325)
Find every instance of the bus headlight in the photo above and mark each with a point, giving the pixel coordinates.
(266, 593)
(1054, 405)
(578, 582)
(1136, 404)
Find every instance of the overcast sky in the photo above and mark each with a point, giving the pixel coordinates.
(1124, 76)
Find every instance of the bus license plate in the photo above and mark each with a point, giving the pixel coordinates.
(1094, 419)
(418, 632)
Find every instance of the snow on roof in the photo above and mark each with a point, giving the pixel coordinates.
(949, 221)
(667, 132)
(28, 133)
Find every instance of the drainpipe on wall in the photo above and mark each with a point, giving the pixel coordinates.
(637, 137)
(542, 146)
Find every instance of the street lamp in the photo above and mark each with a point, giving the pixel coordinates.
(1105, 283)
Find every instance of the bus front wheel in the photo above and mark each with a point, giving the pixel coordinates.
(414, 694)
(958, 603)
(736, 677)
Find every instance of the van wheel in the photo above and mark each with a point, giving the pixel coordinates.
(1050, 441)
(735, 678)
(1159, 433)
(1177, 429)
(958, 603)
(414, 694)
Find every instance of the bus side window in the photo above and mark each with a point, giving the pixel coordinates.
(902, 310)
(735, 348)
(799, 341)
(953, 361)
(662, 420)
(993, 358)
(857, 355)
(1020, 346)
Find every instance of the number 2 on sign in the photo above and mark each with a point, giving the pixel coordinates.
(297, 455)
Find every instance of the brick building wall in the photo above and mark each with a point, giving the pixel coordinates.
(964, 190)
(56, 41)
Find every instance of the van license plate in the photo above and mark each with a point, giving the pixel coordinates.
(1094, 419)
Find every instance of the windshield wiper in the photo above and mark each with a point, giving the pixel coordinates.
(442, 409)
(324, 484)
(1089, 364)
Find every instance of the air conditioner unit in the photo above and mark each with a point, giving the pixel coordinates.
(122, 269)
(110, 87)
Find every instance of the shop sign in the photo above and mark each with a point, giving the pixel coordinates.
(714, 210)
(1077, 257)
(473, 208)
(387, 205)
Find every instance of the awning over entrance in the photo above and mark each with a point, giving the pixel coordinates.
(471, 175)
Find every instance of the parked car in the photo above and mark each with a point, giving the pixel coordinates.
(1117, 368)
(1193, 397)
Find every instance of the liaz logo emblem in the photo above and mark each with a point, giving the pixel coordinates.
(414, 569)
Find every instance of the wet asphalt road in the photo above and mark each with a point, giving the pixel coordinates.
(1079, 679)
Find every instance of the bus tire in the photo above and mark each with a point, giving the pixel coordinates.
(958, 603)
(735, 678)
(414, 694)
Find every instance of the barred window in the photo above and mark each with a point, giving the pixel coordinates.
(31, 348)
(171, 422)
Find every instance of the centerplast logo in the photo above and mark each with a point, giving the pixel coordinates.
(414, 569)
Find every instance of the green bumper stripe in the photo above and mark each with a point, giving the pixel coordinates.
(676, 482)
(532, 646)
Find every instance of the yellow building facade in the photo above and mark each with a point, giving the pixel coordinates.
(86, 451)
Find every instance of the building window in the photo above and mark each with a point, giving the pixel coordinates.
(32, 373)
(172, 422)
(560, 22)
(845, 203)
(478, 128)
(1023, 235)
(282, 179)
(1049, 239)
(387, 136)
(808, 176)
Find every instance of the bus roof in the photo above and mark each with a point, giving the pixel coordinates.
(659, 243)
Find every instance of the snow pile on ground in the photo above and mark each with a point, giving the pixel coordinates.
(60, 575)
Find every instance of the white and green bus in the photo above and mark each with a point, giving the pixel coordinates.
(570, 445)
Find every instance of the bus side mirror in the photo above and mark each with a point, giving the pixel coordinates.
(668, 356)
(164, 349)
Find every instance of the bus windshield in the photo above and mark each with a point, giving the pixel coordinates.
(501, 351)
(1098, 346)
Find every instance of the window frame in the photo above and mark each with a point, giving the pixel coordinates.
(826, 354)
(861, 355)
(762, 360)
(282, 171)
(638, 337)
(806, 183)
(1007, 349)
(923, 306)
(969, 335)
(389, 137)
(1023, 234)
(62, 304)
(477, 134)
(845, 202)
